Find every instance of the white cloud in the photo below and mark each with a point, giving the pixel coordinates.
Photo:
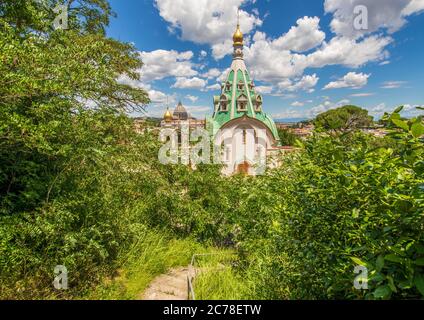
(189, 83)
(409, 110)
(155, 96)
(305, 36)
(193, 99)
(289, 114)
(350, 80)
(270, 63)
(349, 52)
(306, 83)
(361, 95)
(220, 50)
(382, 14)
(160, 64)
(212, 73)
(224, 74)
(198, 111)
(213, 87)
(297, 104)
(263, 89)
(414, 6)
(207, 22)
(326, 106)
(275, 66)
(392, 84)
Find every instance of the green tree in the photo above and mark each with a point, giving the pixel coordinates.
(344, 119)
(287, 137)
(68, 154)
(45, 82)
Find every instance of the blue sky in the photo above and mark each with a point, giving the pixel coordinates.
(305, 56)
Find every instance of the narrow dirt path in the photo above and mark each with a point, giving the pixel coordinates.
(170, 286)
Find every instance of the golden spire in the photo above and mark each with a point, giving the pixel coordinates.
(238, 35)
(168, 115)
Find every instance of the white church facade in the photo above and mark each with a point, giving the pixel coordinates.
(247, 137)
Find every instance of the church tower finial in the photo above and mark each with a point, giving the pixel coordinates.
(238, 40)
(238, 35)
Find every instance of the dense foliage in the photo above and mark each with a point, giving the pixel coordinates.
(344, 119)
(287, 137)
(341, 203)
(78, 187)
(62, 175)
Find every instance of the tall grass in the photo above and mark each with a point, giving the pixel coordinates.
(153, 254)
(219, 279)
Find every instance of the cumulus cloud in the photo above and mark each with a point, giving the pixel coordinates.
(160, 64)
(269, 63)
(280, 62)
(408, 111)
(223, 76)
(203, 54)
(198, 111)
(189, 83)
(212, 73)
(213, 87)
(193, 99)
(297, 104)
(306, 83)
(350, 52)
(207, 22)
(264, 89)
(303, 37)
(289, 114)
(273, 65)
(414, 6)
(382, 14)
(155, 96)
(326, 106)
(351, 80)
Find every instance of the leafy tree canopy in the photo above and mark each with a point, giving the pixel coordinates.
(344, 119)
(86, 16)
(287, 137)
(48, 80)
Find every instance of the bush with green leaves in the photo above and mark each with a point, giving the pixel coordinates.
(340, 203)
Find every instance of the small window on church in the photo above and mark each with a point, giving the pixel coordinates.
(223, 103)
(242, 103)
(242, 106)
(258, 103)
(244, 136)
(228, 86)
(240, 86)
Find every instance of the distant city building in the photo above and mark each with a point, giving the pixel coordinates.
(178, 117)
(300, 129)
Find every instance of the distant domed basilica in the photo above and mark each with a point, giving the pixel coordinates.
(239, 125)
(178, 116)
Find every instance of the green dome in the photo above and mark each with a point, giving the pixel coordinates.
(238, 99)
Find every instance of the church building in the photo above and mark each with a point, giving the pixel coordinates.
(180, 116)
(239, 125)
(245, 136)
